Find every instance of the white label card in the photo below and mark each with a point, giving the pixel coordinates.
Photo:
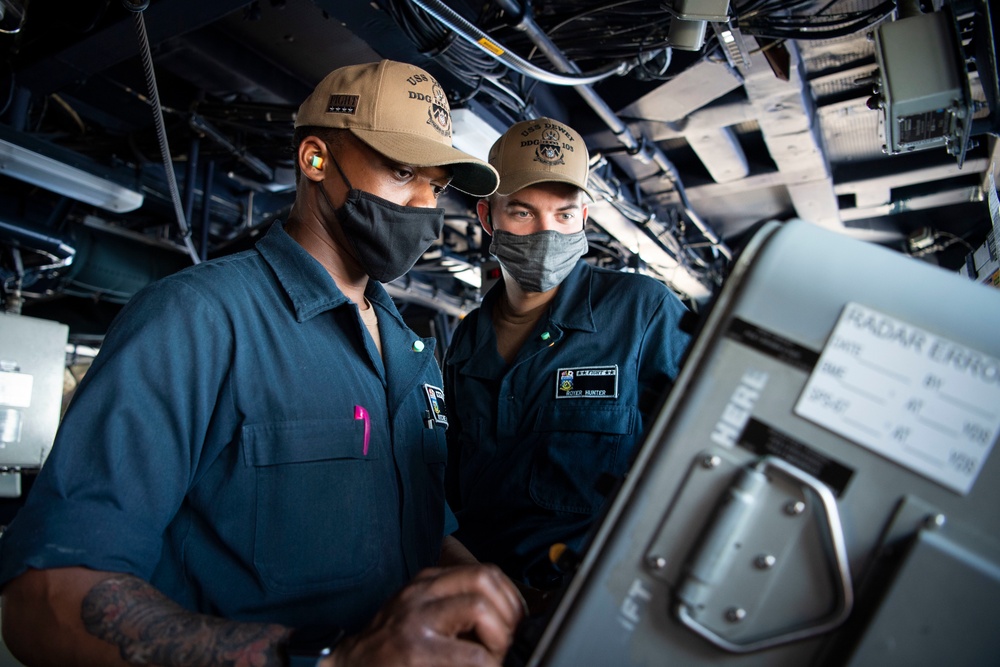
(15, 389)
(923, 401)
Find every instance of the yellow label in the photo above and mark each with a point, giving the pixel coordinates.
(490, 46)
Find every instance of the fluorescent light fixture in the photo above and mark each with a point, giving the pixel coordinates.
(472, 134)
(41, 170)
(470, 276)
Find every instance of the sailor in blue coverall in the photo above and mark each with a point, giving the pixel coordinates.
(553, 380)
(347, 505)
(259, 447)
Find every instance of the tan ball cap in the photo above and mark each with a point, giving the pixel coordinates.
(540, 151)
(400, 111)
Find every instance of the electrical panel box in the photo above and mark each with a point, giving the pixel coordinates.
(820, 487)
(983, 263)
(689, 19)
(924, 89)
(32, 364)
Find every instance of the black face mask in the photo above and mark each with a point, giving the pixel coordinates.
(388, 239)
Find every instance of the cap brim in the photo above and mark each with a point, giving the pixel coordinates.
(468, 174)
(517, 180)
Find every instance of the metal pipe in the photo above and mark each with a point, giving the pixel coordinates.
(407, 289)
(189, 175)
(642, 149)
(202, 126)
(478, 38)
(40, 241)
(206, 206)
(19, 109)
(528, 26)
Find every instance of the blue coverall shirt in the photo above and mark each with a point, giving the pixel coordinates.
(528, 442)
(216, 448)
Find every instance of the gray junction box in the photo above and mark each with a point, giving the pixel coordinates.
(924, 85)
(820, 486)
(32, 364)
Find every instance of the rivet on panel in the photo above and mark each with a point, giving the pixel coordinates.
(795, 508)
(764, 561)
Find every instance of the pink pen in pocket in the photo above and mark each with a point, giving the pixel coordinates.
(361, 413)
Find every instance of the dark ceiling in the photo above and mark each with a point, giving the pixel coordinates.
(694, 140)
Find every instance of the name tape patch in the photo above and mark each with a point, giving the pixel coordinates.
(587, 382)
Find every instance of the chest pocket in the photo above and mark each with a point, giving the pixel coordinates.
(435, 446)
(435, 450)
(316, 521)
(577, 444)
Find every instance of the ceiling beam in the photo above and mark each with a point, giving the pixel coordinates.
(98, 51)
(790, 127)
(888, 181)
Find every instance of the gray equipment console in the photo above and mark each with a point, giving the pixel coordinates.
(818, 487)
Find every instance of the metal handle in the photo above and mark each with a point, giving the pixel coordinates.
(708, 566)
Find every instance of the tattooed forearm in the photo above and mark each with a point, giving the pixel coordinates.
(150, 629)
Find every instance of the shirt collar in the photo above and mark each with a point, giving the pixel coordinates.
(571, 309)
(308, 285)
(376, 293)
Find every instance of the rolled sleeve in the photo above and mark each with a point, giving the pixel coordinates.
(127, 448)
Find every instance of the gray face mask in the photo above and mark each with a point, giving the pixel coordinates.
(538, 261)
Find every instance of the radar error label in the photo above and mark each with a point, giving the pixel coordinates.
(923, 401)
